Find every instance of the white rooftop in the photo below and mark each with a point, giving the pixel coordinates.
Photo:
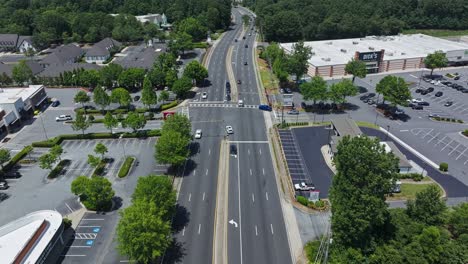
(15, 235)
(340, 51)
(10, 95)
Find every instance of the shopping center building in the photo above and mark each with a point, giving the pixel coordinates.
(380, 53)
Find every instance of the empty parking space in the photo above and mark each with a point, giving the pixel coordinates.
(294, 161)
(450, 145)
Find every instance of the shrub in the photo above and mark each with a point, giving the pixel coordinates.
(302, 200)
(443, 166)
(91, 118)
(67, 223)
(169, 105)
(99, 169)
(58, 169)
(413, 176)
(465, 132)
(460, 121)
(126, 167)
(320, 204)
(200, 45)
(25, 151)
(151, 115)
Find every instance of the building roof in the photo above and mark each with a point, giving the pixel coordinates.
(35, 67)
(55, 70)
(103, 47)
(340, 51)
(25, 239)
(8, 40)
(346, 127)
(24, 38)
(62, 54)
(140, 57)
(391, 147)
(10, 95)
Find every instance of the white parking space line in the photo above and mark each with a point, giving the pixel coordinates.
(427, 133)
(446, 145)
(453, 149)
(461, 154)
(438, 133)
(438, 142)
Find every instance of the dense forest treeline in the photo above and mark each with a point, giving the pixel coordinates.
(88, 20)
(292, 20)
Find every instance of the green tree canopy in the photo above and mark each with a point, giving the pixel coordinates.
(95, 193)
(4, 156)
(195, 71)
(163, 96)
(81, 123)
(365, 174)
(110, 74)
(177, 123)
(134, 121)
(459, 219)
(121, 96)
(93, 161)
(346, 88)
(428, 207)
(158, 190)
(314, 90)
(436, 60)
(22, 73)
(57, 151)
(193, 27)
(47, 160)
(110, 122)
(101, 98)
(100, 149)
(394, 89)
(132, 78)
(180, 43)
(182, 86)
(172, 148)
(89, 78)
(148, 95)
(298, 60)
(81, 97)
(356, 68)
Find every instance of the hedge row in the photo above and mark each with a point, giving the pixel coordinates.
(59, 139)
(25, 151)
(58, 169)
(318, 205)
(126, 110)
(465, 132)
(169, 105)
(126, 167)
(413, 176)
(285, 125)
(447, 119)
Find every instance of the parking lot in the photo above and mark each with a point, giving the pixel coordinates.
(92, 237)
(301, 147)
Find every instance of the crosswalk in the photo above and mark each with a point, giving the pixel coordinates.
(220, 105)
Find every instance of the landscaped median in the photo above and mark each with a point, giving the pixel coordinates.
(59, 169)
(58, 139)
(126, 110)
(126, 167)
(25, 151)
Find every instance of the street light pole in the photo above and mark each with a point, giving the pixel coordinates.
(388, 130)
(123, 146)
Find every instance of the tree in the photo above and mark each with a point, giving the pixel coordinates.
(394, 89)
(172, 148)
(142, 233)
(22, 73)
(346, 88)
(182, 86)
(298, 60)
(195, 71)
(101, 98)
(365, 174)
(163, 96)
(193, 27)
(335, 94)
(121, 96)
(132, 78)
(177, 123)
(314, 90)
(46, 161)
(81, 123)
(56, 151)
(110, 121)
(158, 190)
(4, 156)
(148, 95)
(110, 74)
(135, 121)
(435, 60)
(428, 207)
(82, 98)
(100, 149)
(157, 77)
(93, 161)
(246, 20)
(95, 193)
(458, 219)
(89, 78)
(357, 68)
(181, 42)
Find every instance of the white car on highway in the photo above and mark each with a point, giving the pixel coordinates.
(229, 130)
(63, 118)
(198, 133)
(204, 95)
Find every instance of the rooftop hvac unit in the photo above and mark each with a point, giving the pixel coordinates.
(355, 42)
(343, 50)
(403, 53)
(326, 59)
(389, 54)
(371, 48)
(329, 43)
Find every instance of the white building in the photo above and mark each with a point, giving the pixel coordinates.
(30, 238)
(381, 53)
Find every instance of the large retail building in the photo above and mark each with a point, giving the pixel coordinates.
(381, 53)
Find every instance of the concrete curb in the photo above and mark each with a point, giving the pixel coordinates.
(231, 77)
(76, 216)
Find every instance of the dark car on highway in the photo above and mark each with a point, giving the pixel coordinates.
(246, 46)
(264, 107)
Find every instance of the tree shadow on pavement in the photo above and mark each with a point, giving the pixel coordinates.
(181, 218)
(194, 148)
(174, 253)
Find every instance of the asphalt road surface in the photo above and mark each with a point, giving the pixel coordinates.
(254, 206)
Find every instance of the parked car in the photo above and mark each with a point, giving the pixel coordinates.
(229, 130)
(439, 94)
(3, 185)
(303, 105)
(417, 107)
(281, 90)
(136, 98)
(240, 103)
(246, 46)
(432, 115)
(419, 90)
(264, 107)
(427, 79)
(457, 77)
(55, 102)
(238, 81)
(464, 90)
(370, 102)
(228, 97)
(198, 133)
(423, 103)
(245, 63)
(448, 103)
(228, 84)
(204, 95)
(430, 89)
(293, 112)
(424, 92)
(303, 187)
(243, 37)
(416, 100)
(235, 40)
(287, 90)
(63, 118)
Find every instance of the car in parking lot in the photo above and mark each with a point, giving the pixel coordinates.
(243, 37)
(287, 90)
(136, 98)
(246, 46)
(55, 102)
(265, 107)
(229, 130)
(448, 103)
(416, 100)
(303, 186)
(464, 90)
(424, 103)
(430, 89)
(281, 91)
(198, 133)
(228, 84)
(204, 95)
(416, 106)
(3, 185)
(238, 81)
(432, 115)
(439, 94)
(63, 118)
(245, 63)
(457, 78)
(419, 90)
(293, 112)
(370, 102)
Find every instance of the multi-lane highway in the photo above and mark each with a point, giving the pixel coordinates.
(259, 234)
